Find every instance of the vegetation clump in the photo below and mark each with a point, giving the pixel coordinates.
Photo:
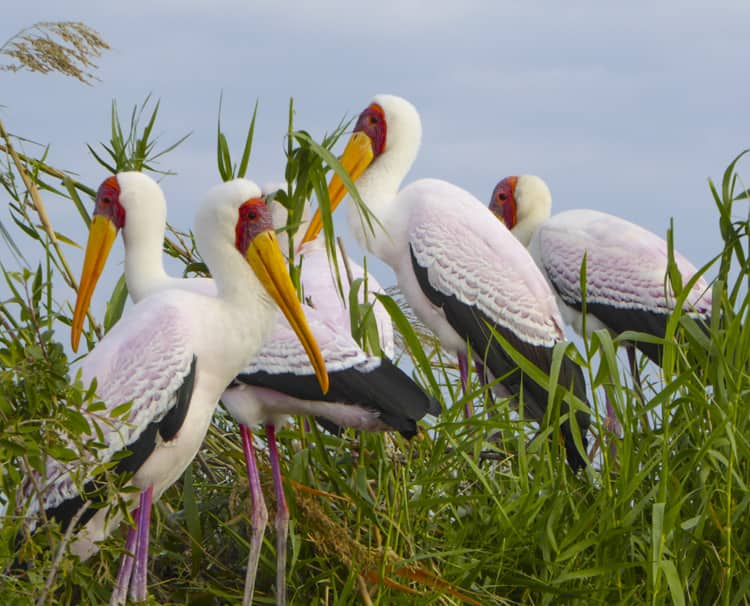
(477, 511)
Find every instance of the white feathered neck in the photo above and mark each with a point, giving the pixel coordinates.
(380, 182)
(143, 233)
(533, 207)
(215, 220)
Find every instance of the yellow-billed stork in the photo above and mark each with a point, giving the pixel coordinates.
(626, 265)
(459, 269)
(172, 355)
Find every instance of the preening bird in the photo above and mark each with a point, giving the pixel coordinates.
(172, 355)
(366, 391)
(459, 269)
(626, 265)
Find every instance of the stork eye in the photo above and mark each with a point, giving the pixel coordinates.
(373, 119)
(106, 200)
(252, 215)
(502, 196)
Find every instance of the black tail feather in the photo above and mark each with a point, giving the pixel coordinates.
(385, 389)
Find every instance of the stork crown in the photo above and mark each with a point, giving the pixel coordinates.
(404, 134)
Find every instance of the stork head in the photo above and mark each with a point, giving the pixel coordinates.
(521, 204)
(238, 208)
(388, 131)
(132, 202)
(503, 202)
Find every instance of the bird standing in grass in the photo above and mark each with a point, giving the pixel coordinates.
(461, 271)
(171, 356)
(626, 265)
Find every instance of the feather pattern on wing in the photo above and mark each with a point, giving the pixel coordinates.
(470, 255)
(283, 353)
(147, 366)
(626, 264)
(383, 390)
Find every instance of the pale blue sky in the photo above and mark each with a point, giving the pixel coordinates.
(627, 110)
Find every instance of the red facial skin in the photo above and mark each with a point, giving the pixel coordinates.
(253, 218)
(108, 202)
(503, 202)
(372, 122)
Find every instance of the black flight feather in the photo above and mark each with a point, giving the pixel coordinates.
(474, 325)
(385, 389)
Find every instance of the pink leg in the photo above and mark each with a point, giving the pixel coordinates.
(138, 589)
(463, 369)
(258, 516)
(120, 593)
(282, 516)
(479, 367)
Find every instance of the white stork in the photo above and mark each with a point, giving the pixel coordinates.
(457, 267)
(172, 355)
(366, 391)
(626, 265)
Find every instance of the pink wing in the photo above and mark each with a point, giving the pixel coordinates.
(144, 359)
(320, 286)
(626, 264)
(283, 353)
(472, 256)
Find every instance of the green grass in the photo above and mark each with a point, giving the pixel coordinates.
(475, 511)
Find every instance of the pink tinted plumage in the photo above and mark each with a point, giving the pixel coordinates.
(626, 264)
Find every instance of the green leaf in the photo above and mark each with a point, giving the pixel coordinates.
(242, 170)
(116, 304)
(70, 187)
(121, 410)
(12, 245)
(109, 167)
(673, 581)
(401, 322)
(65, 240)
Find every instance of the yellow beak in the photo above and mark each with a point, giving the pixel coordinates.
(101, 237)
(357, 157)
(268, 263)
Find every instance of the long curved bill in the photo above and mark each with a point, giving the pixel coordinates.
(268, 263)
(357, 157)
(101, 237)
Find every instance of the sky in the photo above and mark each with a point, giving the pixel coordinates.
(627, 109)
